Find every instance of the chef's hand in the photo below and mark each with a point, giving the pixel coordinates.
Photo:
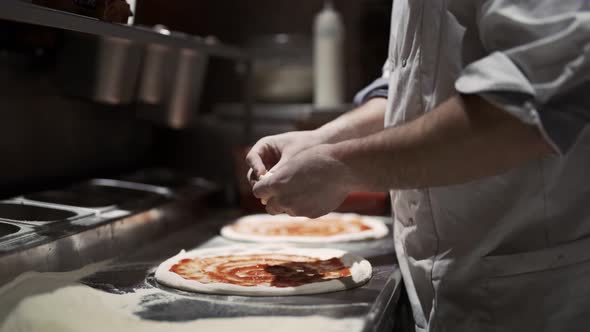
(311, 184)
(273, 151)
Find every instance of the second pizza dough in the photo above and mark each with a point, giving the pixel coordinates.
(333, 227)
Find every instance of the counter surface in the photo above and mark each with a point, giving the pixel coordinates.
(373, 302)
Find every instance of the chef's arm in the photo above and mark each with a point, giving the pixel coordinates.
(463, 139)
(365, 120)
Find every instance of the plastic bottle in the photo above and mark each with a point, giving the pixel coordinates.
(328, 59)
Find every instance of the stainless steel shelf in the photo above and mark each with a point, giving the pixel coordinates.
(25, 12)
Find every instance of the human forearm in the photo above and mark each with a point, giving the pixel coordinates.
(463, 139)
(363, 121)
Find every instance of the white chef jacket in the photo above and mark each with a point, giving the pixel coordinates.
(509, 252)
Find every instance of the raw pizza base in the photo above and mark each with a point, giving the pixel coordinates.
(360, 272)
(378, 229)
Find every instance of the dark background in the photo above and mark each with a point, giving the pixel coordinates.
(48, 139)
(366, 23)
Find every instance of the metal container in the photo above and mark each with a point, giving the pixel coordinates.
(90, 235)
(30, 213)
(171, 83)
(22, 211)
(158, 69)
(103, 69)
(162, 177)
(12, 233)
(283, 70)
(103, 194)
(186, 88)
(8, 229)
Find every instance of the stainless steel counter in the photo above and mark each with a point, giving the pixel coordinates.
(374, 301)
(149, 231)
(67, 228)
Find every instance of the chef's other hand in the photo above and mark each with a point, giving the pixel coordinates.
(311, 184)
(272, 151)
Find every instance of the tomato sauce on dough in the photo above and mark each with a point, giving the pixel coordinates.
(276, 270)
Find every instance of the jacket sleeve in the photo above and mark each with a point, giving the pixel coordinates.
(379, 88)
(537, 66)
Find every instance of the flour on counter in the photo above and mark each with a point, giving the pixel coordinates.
(56, 302)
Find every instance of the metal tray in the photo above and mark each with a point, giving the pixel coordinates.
(13, 232)
(8, 230)
(104, 194)
(170, 179)
(91, 234)
(22, 211)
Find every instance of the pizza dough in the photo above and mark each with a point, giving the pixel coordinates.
(333, 227)
(265, 271)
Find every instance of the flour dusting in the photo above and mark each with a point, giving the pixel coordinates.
(57, 302)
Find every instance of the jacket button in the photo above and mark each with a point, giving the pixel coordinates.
(404, 62)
